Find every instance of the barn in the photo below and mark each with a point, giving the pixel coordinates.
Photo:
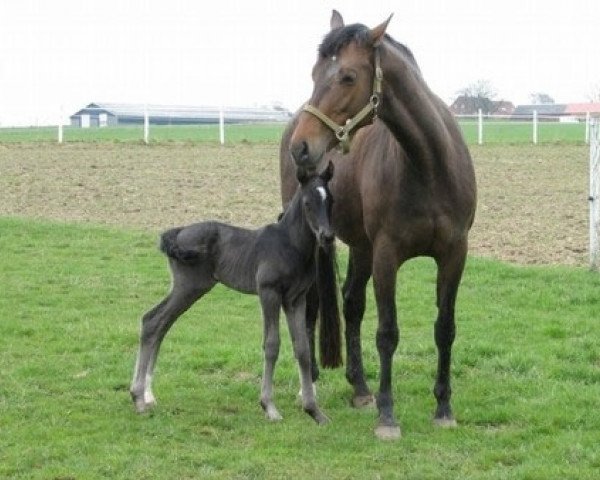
(110, 114)
(558, 111)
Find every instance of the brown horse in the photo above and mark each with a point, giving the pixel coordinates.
(405, 189)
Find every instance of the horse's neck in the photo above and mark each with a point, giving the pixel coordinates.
(299, 232)
(412, 112)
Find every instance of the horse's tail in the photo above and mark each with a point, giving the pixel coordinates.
(170, 247)
(330, 341)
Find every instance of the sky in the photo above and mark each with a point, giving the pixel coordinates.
(57, 56)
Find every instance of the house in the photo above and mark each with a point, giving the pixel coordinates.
(105, 114)
(469, 105)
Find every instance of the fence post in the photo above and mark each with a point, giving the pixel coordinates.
(146, 124)
(480, 128)
(594, 197)
(222, 126)
(587, 128)
(60, 125)
(535, 127)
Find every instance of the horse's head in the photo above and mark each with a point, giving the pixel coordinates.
(317, 202)
(347, 85)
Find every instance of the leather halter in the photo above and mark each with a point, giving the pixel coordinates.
(342, 132)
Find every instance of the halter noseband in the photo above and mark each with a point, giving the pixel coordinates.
(342, 132)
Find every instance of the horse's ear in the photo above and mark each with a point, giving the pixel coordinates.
(336, 20)
(328, 172)
(378, 31)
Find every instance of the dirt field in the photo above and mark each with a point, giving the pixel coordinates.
(532, 200)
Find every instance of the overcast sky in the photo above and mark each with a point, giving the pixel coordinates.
(67, 53)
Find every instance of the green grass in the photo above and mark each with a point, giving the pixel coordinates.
(494, 132)
(253, 133)
(522, 132)
(526, 374)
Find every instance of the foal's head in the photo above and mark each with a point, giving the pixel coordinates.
(317, 202)
(344, 84)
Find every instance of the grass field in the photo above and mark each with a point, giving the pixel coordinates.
(526, 370)
(79, 266)
(494, 132)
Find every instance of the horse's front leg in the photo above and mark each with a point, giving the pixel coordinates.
(354, 296)
(270, 302)
(450, 269)
(384, 283)
(296, 318)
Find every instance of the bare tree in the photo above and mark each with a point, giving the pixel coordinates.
(594, 93)
(540, 98)
(479, 89)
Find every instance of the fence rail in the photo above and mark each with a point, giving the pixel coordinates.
(535, 128)
(477, 129)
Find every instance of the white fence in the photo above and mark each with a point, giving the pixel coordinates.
(487, 123)
(594, 198)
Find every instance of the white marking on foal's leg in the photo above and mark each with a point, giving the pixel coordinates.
(314, 385)
(148, 395)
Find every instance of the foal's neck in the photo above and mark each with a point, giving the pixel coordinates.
(300, 234)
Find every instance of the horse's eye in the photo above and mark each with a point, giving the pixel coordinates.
(348, 78)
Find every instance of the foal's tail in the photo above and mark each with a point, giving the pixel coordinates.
(330, 341)
(170, 247)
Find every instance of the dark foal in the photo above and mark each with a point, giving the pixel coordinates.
(406, 188)
(276, 262)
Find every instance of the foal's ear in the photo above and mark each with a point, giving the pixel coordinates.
(336, 20)
(328, 172)
(378, 31)
(301, 175)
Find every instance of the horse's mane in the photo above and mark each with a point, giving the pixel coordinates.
(338, 38)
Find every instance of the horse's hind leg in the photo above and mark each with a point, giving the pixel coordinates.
(188, 286)
(295, 315)
(450, 269)
(354, 295)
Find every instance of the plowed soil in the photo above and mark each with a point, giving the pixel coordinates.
(533, 206)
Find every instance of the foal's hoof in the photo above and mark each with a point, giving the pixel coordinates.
(363, 401)
(144, 407)
(321, 418)
(445, 422)
(388, 432)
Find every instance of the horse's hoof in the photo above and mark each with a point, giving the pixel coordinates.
(363, 401)
(388, 432)
(445, 422)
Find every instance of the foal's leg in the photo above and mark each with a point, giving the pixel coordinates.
(270, 302)
(385, 269)
(295, 315)
(354, 295)
(189, 284)
(450, 269)
(312, 312)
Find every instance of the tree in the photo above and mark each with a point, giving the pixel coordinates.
(540, 98)
(472, 98)
(594, 93)
(479, 89)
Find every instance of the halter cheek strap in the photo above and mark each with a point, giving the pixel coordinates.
(342, 132)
